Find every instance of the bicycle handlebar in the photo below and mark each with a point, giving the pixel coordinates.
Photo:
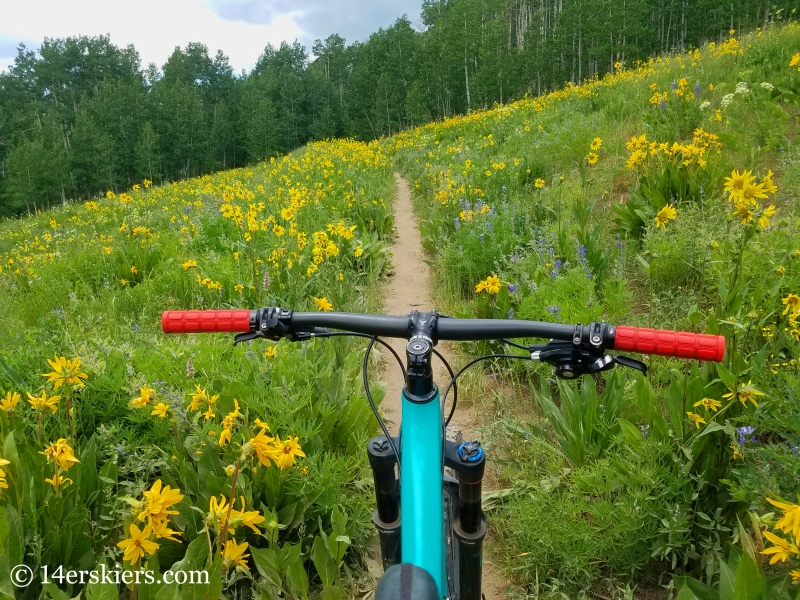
(661, 342)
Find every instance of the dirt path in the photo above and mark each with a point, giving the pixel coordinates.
(405, 291)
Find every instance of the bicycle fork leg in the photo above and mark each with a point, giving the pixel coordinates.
(387, 499)
(470, 527)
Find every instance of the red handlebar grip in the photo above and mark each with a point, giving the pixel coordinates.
(700, 346)
(205, 321)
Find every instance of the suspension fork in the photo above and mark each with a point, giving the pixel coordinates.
(468, 460)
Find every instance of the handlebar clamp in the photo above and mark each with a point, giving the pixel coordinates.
(423, 325)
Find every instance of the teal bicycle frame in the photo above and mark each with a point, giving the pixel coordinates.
(436, 522)
(421, 496)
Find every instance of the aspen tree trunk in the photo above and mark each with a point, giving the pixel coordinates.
(580, 41)
(466, 70)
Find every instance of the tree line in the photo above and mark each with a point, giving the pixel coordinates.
(81, 116)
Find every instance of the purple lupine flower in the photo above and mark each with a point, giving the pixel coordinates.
(619, 245)
(515, 257)
(512, 288)
(457, 222)
(663, 106)
(553, 274)
(588, 273)
(745, 431)
(481, 236)
(674, 85)
(510, 313)
(553, 309)
(557, 264)
(697, 91)
(582, 252)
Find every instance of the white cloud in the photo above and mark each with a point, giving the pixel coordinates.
(154, 27)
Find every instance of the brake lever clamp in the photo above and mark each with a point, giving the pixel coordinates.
(570, 364)
(270, 323)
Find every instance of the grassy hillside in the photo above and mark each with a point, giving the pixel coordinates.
(139, 410)
(662, 195)
(613, 201)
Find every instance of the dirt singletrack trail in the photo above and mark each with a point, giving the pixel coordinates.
(406, 290)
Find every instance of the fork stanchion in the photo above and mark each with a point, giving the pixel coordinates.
(389, 538)
(387, 499)
(469, 529)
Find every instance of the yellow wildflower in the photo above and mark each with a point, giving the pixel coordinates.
(161, 409)
(9, 403)
(781, 550)
(665, 215)
(161, 530)
(61, 453)
(736, 183)
(763, 220)
(65, 371)
(323, 304)
(746, 393)
(491, 285)
(45, 402)
(709, 404)
(57, 481)
(769, 186)
(145, 395)
(790, 522)
(138, 544)
(263, 448)
(792, 302)
(286, 452)
(696, 419)
(234, 555)
(157, 501)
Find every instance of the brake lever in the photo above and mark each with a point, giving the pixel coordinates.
(247, 336)
(632, 363)
(570, 362)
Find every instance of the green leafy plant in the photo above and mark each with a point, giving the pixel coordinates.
(585, 423)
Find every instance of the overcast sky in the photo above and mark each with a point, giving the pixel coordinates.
(240, 28)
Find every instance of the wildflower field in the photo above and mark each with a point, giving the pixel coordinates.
(123, 446)
(663, 195)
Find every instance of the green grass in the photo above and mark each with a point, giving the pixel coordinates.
(647, 506)
(89, 281)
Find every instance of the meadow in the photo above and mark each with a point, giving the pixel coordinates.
(661, 195)
(121, 445)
